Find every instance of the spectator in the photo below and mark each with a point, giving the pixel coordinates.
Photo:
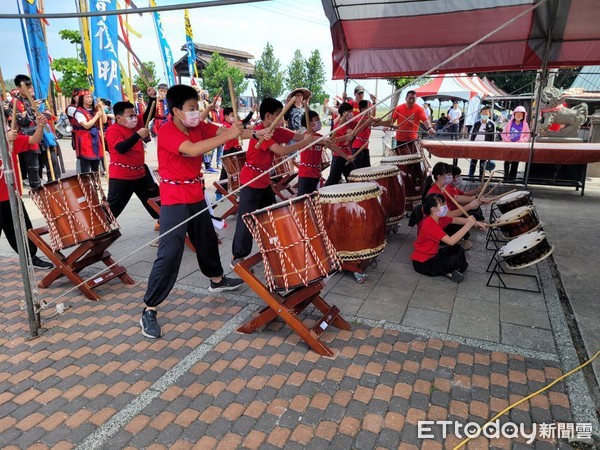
(483, 130)
(454, 115)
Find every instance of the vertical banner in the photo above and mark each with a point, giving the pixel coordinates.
(86, 45)
(104, 34)
(191, 50)
(165, 50)
(37, 53)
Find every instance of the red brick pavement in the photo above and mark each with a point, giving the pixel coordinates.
(262, 390)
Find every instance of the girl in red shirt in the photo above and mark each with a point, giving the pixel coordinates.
(343, 138)
(428, 257)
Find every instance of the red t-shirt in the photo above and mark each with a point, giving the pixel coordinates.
(454, 191)
(261, 158)
(429, 236)
(232, 143)
(363, 136)
(310, 161)
(175, 166)
(345, 145)
(408, 120)
(436, 190)
(134, 158)
(20, 145)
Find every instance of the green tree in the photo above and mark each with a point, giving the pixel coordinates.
(400, 83)
(154, 81)
(74, 37)
(268, 76)
(73, 72)
(315, 71)
(296, 72)
(215, 76)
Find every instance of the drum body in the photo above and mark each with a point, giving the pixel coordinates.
(414, 173)
(408, 148)
(325, 159)
(295, 248)
(526, 250)
(75, 210)
(518, 221)
(514, 201)
(233, 164)
(354, 219)
(392, 189)
(285, 169)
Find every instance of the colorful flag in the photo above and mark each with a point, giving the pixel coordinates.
(191, 50)
(165, 50)
(86, 44)
(37, 53)
(104, 34)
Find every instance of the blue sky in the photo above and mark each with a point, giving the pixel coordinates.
(287, 24)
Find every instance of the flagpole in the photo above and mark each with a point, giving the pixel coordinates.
(128, 54)
(150, 2)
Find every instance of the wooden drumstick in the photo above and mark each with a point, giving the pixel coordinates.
(498, 197)
(37, 112)
(152, 106)
(277, 120)
(253, 97)
(501, 224)
(458, 205)
(307, 117)
(357, 153)
(485, 185)
(492, 189)
(234, 106)
(102, 143)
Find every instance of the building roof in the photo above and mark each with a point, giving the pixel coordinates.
(236, 58)
(588, 79)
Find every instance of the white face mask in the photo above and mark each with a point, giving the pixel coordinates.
(192, 119)
(131, 122)
(458, 181)
(448, 179)
(317, 126)
(443, 210)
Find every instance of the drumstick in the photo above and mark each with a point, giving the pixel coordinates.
(102, 143)
(277, 120)
(501, 224)
(498, 197)
(37, 111)
(13, 127)
(485, 185)
(492, 189)
(234, 105)
(462, 210)
(307, 117)
(152, 106)
(253, 97)
(358, 152)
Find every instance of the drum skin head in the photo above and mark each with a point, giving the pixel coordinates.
(522, 243)
(401, 159)
(515, 214)
(513, 196)
(348, 188)
(373, 173)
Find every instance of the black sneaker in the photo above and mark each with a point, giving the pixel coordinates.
(150, 327)
(226, 284)
(39, 263)
(455, 276)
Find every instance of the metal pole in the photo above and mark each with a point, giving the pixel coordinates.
(14, 209)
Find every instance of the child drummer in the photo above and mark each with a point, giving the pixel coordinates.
(258, 194)
(182, 141)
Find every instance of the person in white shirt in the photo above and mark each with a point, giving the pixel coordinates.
(454, 116)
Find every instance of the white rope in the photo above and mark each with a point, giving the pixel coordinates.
(284, 161)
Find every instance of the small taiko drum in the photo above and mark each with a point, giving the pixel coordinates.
(233, 163)
(392, 189)
(284, 169)
(518, 221)
(325, 159)
(406, 148)
(75, 210)
(414, 173)
(295, 248)
(514, 200)
(354, 219)
(526, 250)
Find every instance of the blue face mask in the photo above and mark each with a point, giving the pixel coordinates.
(443, 211)
(484, 118)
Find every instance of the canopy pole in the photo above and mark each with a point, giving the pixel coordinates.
(543, 80)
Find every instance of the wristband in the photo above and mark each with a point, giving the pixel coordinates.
(254, 135)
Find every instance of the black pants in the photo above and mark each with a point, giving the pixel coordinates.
(510, 169)
(337, 169)
(32, 165)
(170, 249)
(89, 165)
(43, 163)
(363, 159)
(448, 259)
(7, 225)
(251, 199)
(120, 192)
(307, 185)
(473, 165)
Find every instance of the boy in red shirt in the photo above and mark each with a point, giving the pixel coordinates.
(128, 174)
(428, 257)
(362, 133)
(258, 194)
(182, 142)
(21, 144)
(343, 137)
(309, 167)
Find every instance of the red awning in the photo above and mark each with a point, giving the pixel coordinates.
(399, 38)
(457, 86)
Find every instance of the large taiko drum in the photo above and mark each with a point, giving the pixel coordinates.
(406, 148)
(526, 250)
(75, 210)
(392, 189)
(354, 219)
(414, 173)
(514, 200)
(518, 221)
(284, 169)
(233, 163)
(291, 237)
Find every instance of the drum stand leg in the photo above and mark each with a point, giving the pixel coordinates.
(155, 205)
(280, 185)
(288, 306)
(499, 272)
(86, 254)
(493, 239)
(232, 198)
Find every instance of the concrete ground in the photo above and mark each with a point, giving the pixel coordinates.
(469, 341)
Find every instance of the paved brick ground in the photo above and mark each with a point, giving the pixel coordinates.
(264, 390)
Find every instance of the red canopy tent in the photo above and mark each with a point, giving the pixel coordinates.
(399, 38)
(456, 86)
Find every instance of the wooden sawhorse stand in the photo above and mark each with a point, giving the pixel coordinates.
(232, 198)
(280, 184)
(86, 254)
(289, 306)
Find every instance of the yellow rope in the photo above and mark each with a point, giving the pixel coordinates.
(462, 443)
